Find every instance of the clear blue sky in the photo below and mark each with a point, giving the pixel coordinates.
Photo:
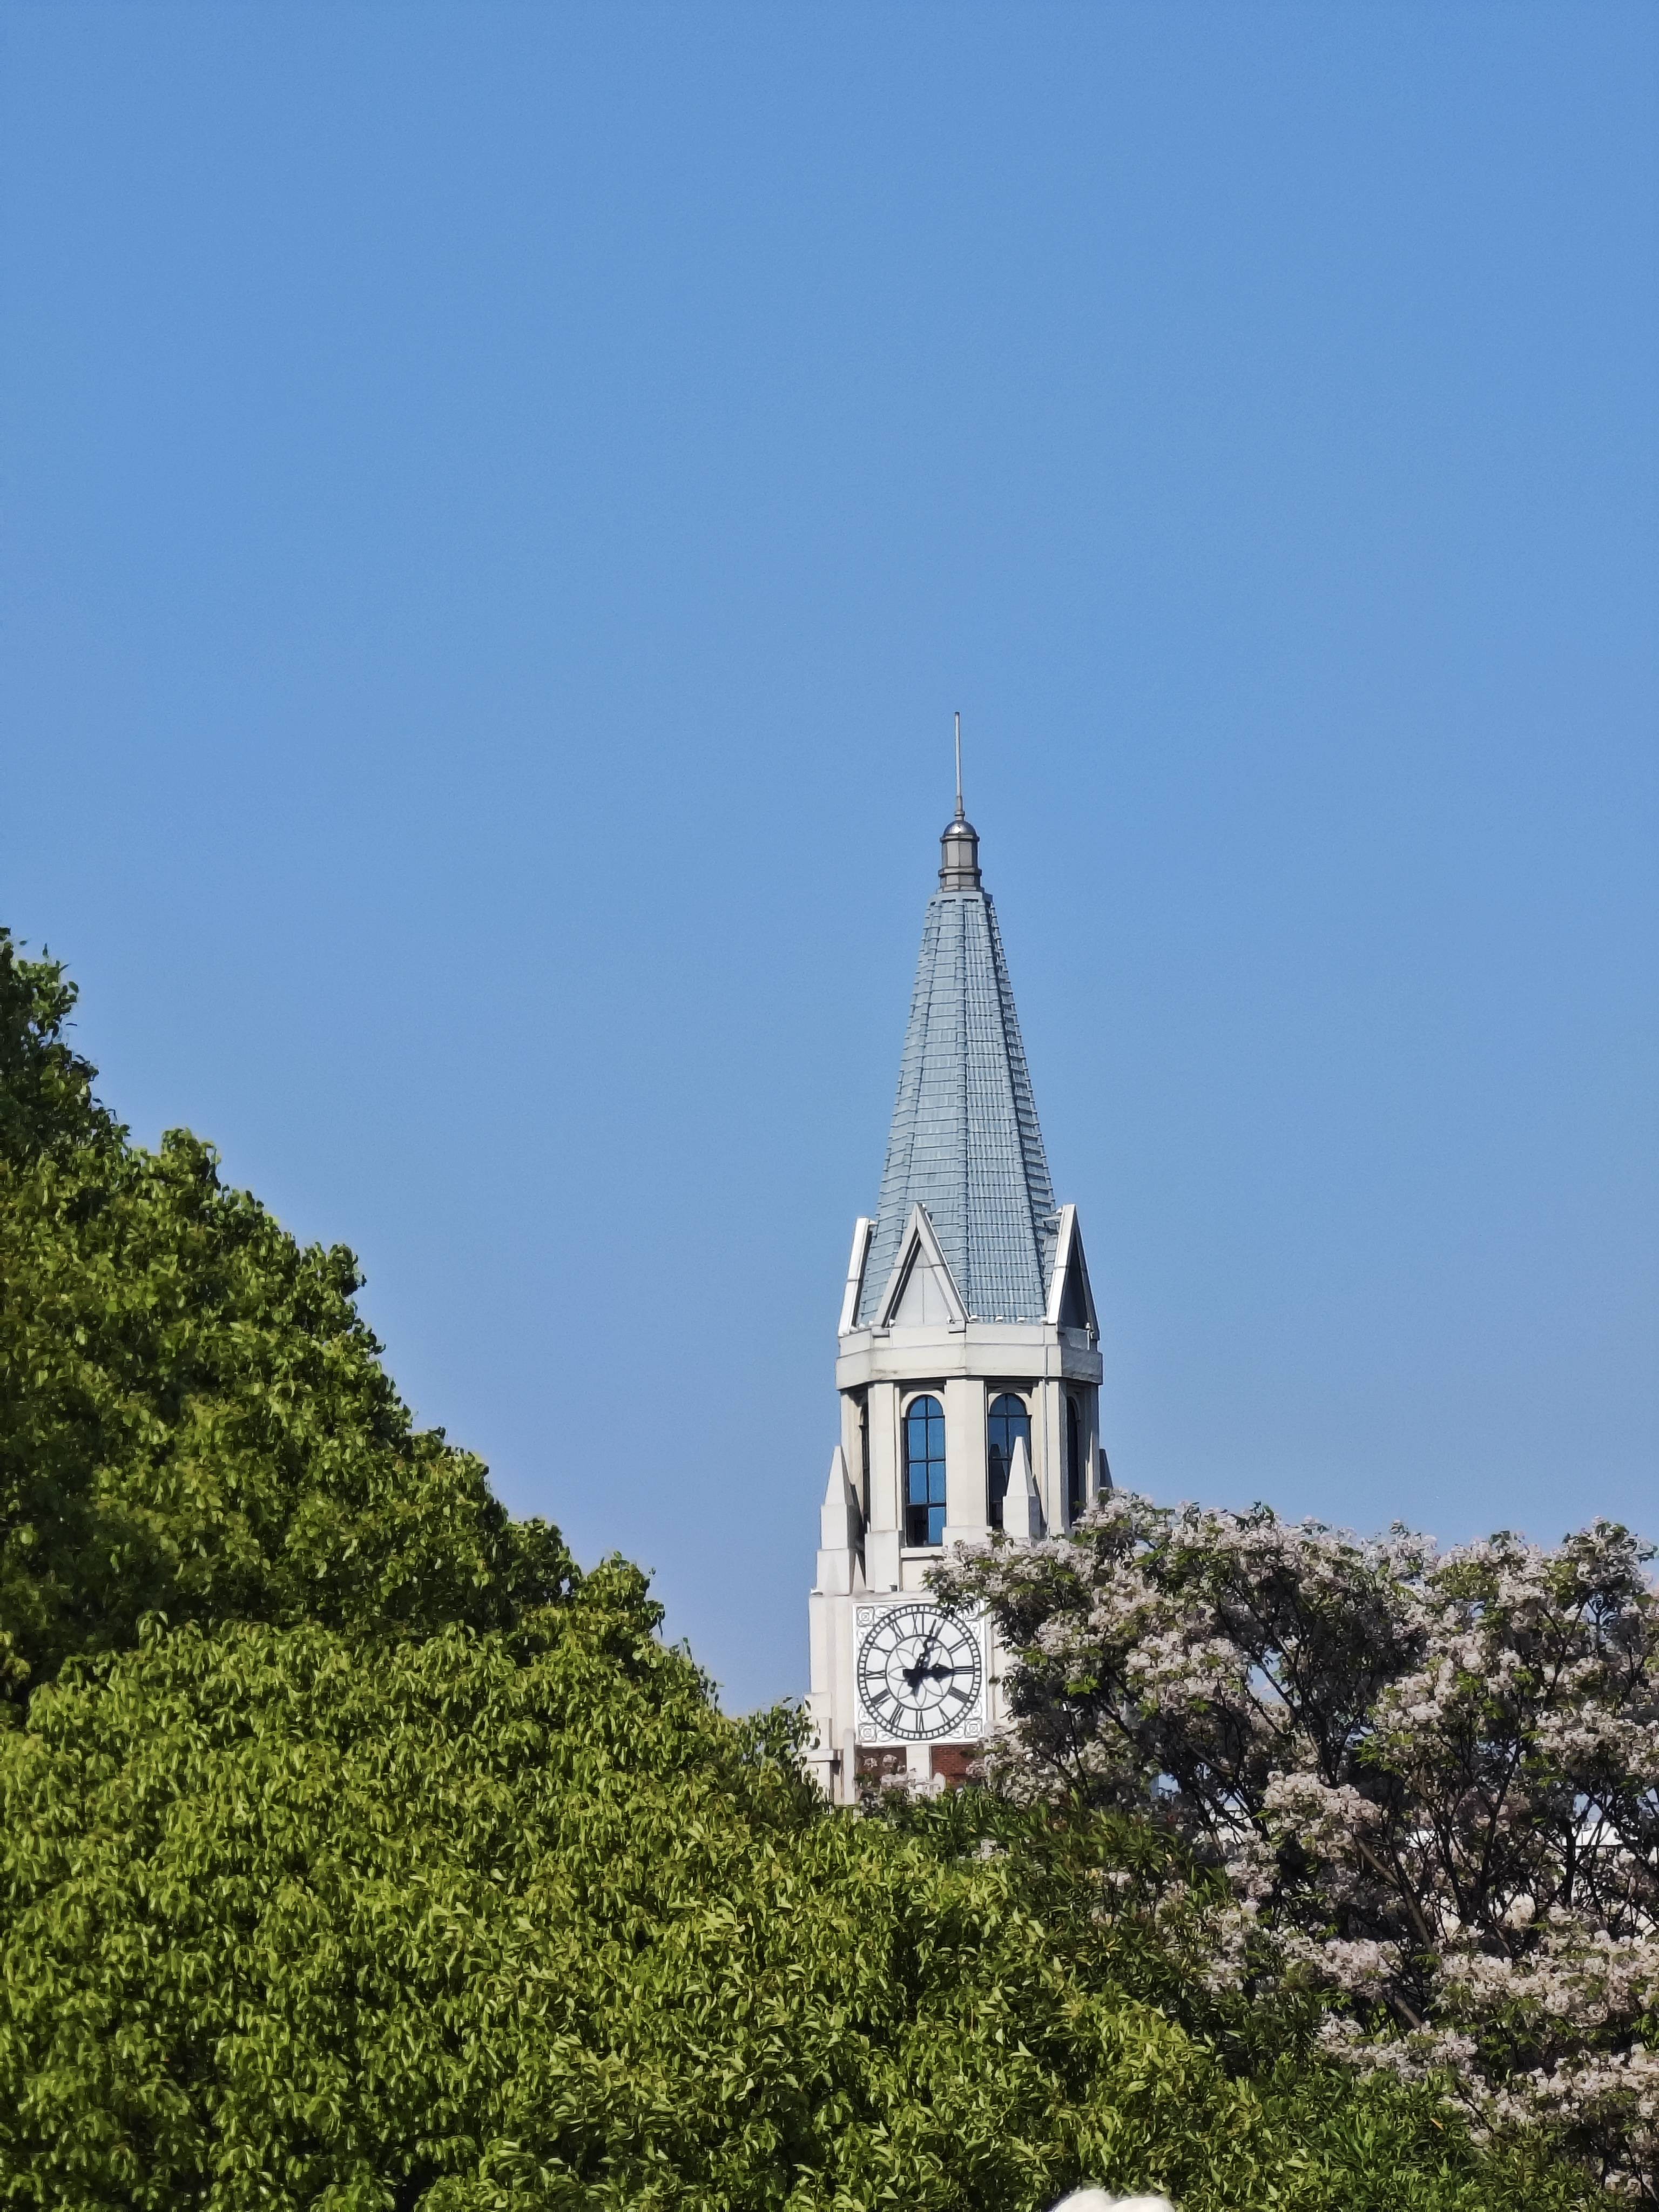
(500, 504)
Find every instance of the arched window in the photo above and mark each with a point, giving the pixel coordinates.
(1006, 1422)
(924, 1471)
(1076, 1491)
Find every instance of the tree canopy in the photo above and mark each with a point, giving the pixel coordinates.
(359, 1854)
(1429, 1782)
(194, 1420)
(499, 1922)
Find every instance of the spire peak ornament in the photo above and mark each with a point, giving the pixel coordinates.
(959, 842)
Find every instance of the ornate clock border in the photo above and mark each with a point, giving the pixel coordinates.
(922, 1674)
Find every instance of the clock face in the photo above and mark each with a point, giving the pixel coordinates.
(920, 1672)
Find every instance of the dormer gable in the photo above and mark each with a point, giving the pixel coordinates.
(921, 1292)
(1071, 1300)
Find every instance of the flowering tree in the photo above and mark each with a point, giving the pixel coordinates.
(1430, 1780)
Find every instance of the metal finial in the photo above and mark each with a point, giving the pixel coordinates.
(959, 842)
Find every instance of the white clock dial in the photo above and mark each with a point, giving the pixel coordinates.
(920, 1671)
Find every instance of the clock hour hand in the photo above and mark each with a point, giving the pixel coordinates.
(914, 1676)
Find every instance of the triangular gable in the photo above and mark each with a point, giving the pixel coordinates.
(921, 1291)
(1071, 1300)
(863, 1230)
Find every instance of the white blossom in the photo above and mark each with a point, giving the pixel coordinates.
(1430, 1779)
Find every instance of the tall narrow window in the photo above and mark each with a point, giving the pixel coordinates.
(1076, 1493)
(924, 1471)
(1006, 1422)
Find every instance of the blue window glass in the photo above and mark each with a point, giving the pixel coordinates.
(924, 1471)
(1007, 1422)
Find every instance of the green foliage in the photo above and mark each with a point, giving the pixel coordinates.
(358, 1856)
(193, 1418)
(501, 1922)
(45, 1089)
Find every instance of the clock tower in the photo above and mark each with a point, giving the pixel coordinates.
(969, 1368)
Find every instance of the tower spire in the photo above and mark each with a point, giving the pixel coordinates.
(967, 1367)
(964, 1143)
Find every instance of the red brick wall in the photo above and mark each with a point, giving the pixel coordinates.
(951, 1763)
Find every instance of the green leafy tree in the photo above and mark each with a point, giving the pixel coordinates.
(194, 1420)
(46, 1087)
(356, 1855)
(504, 1921)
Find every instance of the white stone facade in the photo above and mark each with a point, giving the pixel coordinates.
(965, 1153)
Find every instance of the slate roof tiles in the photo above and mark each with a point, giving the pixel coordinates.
(964, 1142)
